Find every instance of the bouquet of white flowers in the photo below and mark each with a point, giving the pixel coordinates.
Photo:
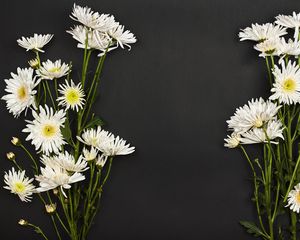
(274, 124)
(71, 147)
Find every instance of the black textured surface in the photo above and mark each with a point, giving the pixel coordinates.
(170, 97)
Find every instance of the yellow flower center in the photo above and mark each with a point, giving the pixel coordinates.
(289, 85)
(22, 93)
(49, 130)
(298, 197)
(258, 123)
(72, 97)
(19, 187)
(54, 70)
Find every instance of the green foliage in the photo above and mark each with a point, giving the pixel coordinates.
(252, 228)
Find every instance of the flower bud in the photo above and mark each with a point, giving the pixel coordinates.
(22, 222)
(34, 63)
(50, 208)
(11, 156)
(55, 191)
(15, 141)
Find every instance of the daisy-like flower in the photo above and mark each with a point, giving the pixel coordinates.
(268, 47)
(50, 70)
(67, 162)
(101, 160)
(260, 33)
(19, 184)
(122, 38)
(89, 155)
(232, 141)
(56, 176)
(20, 89)
(72, 96)
(44, 131)
(35, 43)
(273, 130)
(253, 115)
(289, 48)
(95, 137)
(294, 199)
(290, 21)
(287, 83)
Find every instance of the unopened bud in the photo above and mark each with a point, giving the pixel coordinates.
(11, 156)
(50, 208)
(22, 222)
(55, 191)
(15, 141)
(34, 63)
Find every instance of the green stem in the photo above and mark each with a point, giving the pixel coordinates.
(292, 179)
(31, 157)
(38, 230)
(50, 94)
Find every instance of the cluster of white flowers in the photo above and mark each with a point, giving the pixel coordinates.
(99, 31)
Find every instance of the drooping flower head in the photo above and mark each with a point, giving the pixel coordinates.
(50, 70)
(19, 184)
(45, 130)
(287, 83)
(20, 89)
(35, 43)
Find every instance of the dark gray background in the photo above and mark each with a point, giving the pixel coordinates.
(170, 97)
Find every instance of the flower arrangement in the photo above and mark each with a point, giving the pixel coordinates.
(274, 125)
(72, 156)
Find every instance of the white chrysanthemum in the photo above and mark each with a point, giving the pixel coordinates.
(95, 39)
(44, 131)
(268, 47)
(68, 162)
(294, 199)
(56, 176)
(115, 146)
(89, 155)
(232, 141)
(289, 48)
(287, 83)
(272, 130)
(35, 43)
(91, 19)
(260, 33)
(123, 38)
(20, 89)
(254, 114)
(72, 96)
(50, 70)
(290, 21)
(101, 160)
(94, 137)
(19, 184)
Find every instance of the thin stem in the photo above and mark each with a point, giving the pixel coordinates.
(31, 157)
(38, 230)
(50, 94)
(292, 179)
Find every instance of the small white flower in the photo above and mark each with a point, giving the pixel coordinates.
(272, 130)
(20, 89)
(44, 131)
(290, 48)
(232, 141)
(35, 43)
(253, 115)
(123, 38)
(287, 83)
(269, 47)
(294, 199)
(260, 33)
(72, 96)
(89, 155)
(50, 70)
(19, 184)
(56, 176)
(290, 21)
(94, 137)
(67, 162)
(101, 160)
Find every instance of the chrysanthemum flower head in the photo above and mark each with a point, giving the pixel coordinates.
(50, 70)
(290, 21)
(35, 43)
(287, 83)
(19, 184)
(269, 47)
(94, 137)
(45, 130)
(233, 140)
(89, 155)
(294, 199)
(121, 36)
(289, 48)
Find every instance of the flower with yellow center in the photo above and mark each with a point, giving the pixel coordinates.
(72, 96)
(20, 91)
(268, 47)
(44, 131)
(18, 184)
(287, 83)
(50, 70)
(294, 199)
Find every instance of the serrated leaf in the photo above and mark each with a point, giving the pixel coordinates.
(251, 228)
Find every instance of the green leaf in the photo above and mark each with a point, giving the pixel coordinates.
(251, 228)
(66, 131)
(96, 121)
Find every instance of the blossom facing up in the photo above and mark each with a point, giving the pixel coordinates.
(94, 137)
(20, 91)
(72, 96)
(254, 114)
(19, 184)
(294, 199)
(35, 43)
(50, 70)
(45, 130)
(287, 83)
(260, 33)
